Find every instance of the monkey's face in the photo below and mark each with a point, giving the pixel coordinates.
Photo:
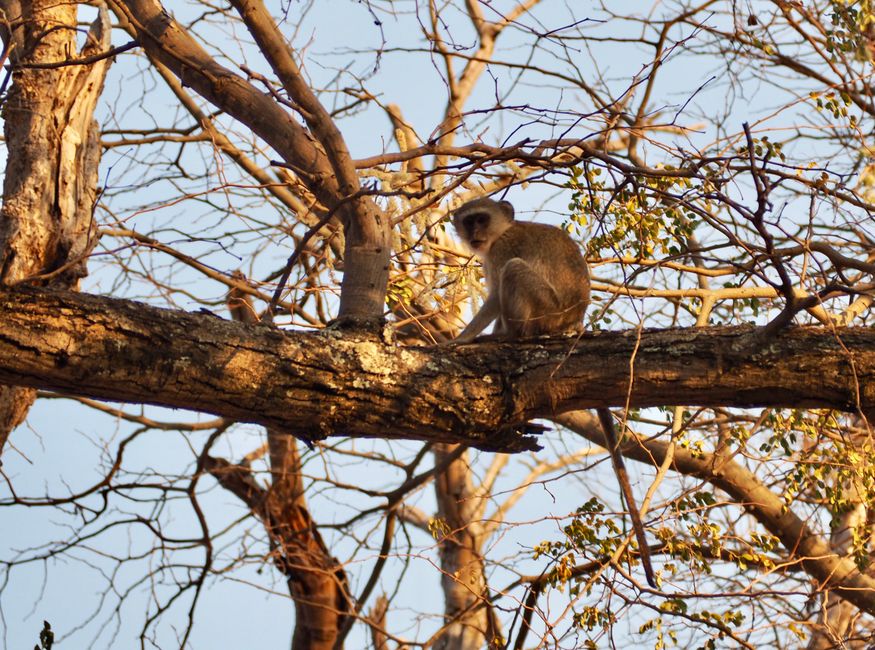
(475, 231)
(479, 224)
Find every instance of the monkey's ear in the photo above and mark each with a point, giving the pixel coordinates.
(507, 208)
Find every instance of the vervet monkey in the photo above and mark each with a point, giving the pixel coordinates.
(538, 283)
(537, 279)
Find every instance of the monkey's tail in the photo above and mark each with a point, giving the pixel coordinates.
(613, 445)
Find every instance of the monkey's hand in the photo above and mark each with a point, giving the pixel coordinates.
(481, 338)
(488, 313)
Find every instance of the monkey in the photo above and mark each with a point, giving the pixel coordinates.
(537, 283)
(537, 279)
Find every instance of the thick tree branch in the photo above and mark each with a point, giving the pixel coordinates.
(52, 142)
(321, 384)
(329, 174)
(167, 42)
(367, 228)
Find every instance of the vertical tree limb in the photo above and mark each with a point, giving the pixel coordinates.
(318, 156)
(47, 227)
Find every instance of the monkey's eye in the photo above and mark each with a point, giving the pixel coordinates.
(478, 219)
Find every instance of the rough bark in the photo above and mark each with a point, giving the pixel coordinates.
(328, 383)
(317, 581)
(53, 152)
(333, 384)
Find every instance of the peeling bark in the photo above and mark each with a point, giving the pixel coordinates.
(47, 227)
(317, 581)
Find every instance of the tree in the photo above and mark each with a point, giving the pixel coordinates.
(726, 219)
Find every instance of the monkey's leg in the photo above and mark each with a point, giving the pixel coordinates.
(623, 479)
(529, 305)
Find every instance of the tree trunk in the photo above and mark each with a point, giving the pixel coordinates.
(53, 151)
(468, 621)
(837, 619)
(317, 582)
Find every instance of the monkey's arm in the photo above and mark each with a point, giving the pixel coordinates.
(488, 313)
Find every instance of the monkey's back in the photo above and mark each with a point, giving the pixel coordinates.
(554, 256)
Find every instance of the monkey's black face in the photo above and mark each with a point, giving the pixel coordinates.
(474, 229)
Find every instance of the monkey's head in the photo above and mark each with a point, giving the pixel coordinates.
(481, 221)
